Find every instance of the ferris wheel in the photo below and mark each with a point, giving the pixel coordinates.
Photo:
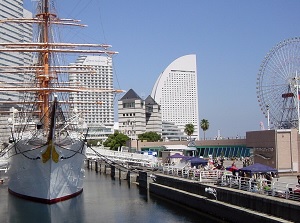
(278, 87)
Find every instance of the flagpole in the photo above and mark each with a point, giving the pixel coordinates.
(298, 99)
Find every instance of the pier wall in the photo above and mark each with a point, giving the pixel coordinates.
(230, 203)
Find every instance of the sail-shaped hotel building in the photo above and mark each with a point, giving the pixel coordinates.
(176, 91)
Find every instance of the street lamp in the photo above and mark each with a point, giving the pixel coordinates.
(268, 116)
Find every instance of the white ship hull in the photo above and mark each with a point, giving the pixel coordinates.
(36, 175)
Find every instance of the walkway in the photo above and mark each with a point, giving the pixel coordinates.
(133, 159)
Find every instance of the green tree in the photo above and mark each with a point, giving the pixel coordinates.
(116, 140)
(94, 142)
(150, 136)
(204, 125)
(189, 130)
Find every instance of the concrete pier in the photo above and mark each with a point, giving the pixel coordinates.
(231, 205)
(228, 204)
(101, 166)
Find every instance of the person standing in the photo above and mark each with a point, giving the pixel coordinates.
(269, 179)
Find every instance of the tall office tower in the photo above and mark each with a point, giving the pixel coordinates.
(176, 92)
(95, 114)
(17, 33)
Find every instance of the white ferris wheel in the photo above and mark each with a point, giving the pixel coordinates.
(278, 85)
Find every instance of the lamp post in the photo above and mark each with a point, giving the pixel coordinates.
(268, 116)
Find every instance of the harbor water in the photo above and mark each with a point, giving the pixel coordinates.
(104, 199)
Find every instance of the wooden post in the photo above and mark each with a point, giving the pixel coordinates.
(119, 173)
(105, 168)
(88, 164)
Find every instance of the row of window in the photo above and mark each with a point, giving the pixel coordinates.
(129, 105)
(128, 114)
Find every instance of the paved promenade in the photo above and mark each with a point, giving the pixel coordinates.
(287, 179)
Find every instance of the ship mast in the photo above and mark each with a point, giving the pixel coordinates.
(44, 78)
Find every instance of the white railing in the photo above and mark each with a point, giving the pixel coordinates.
(185, 171)
(123, 157)
(226, 179)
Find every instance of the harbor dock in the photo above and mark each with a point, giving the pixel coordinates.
(226, 203)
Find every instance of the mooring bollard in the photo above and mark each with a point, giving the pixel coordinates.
(128, 176)
(112, 170)
(143, 179)
(96, 166)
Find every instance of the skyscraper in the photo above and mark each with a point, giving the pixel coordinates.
(96, 114)
(176, 91)
(16, 33)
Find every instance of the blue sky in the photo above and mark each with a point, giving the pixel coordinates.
(230, 39)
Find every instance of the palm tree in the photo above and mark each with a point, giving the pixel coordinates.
(204, 125)
(189, 130)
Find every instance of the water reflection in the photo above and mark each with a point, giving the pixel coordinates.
(104, 199)
(26, 211)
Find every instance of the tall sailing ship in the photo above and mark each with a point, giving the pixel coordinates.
(47, 143)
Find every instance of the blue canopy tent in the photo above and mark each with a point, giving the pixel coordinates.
(176, 155)
(196, 161)
(258, 168)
